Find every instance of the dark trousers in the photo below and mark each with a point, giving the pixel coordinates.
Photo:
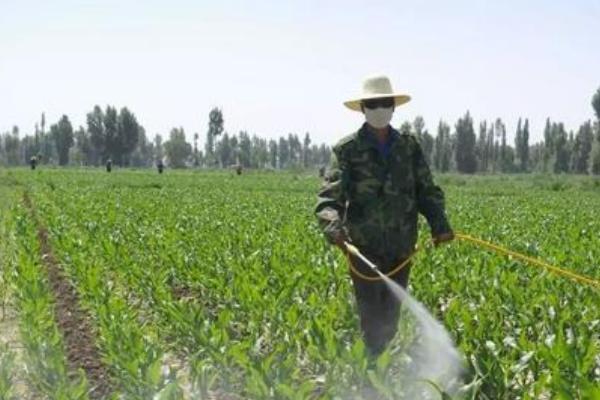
(378, 308)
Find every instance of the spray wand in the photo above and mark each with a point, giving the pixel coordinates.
(355, 252)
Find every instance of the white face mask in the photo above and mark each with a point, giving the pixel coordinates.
(379, 117)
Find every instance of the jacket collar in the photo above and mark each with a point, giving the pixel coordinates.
(365, 141)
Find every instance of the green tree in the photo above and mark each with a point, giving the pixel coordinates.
(47, 147)
(522, 145)
(491, 155)
(405, 128)
(536, 156)
(559, 138)
(524, 153)
(111, 132)
(177, 149)
(466, 160)
(259, 152)
(143, 154)
(95, 128)
(224, 152)
(324, 154)
(128, 131)
(549, 146)
(83, 145)
(295, 147)
(27, 148)
(427, 146)
(235, 150)
(158, 148)
(481, 147)
(284, 152)
(216, 124)
(518, 143)
(63, 136)
(37, 138)
(595, 164)
(306, 156)
(245, 146)
(506, 155)
(418, 127)
(596, 104)
(273, 153)
(11, 146)
(442, 153)
(424, 138)
(196, 159)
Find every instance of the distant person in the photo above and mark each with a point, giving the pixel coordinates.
(238, 169)
(33, 162)
(322, 172)
(160, 166)
(377, 184)
(108, 165)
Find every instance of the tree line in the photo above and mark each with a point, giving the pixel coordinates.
(117, 135)
(487, 150)
(466, 148)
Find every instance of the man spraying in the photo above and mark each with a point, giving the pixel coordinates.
(377, 184)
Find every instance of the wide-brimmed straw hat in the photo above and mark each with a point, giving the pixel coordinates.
(375, 87)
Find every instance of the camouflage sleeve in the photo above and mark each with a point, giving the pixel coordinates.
(430, 198)
(331, 200)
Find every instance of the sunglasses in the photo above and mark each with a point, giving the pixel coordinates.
(385, 102)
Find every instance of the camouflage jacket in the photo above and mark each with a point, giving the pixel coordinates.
(376, 197)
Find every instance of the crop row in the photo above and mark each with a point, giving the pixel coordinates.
(211, 285)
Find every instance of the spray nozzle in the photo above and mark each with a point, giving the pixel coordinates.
(355, 252)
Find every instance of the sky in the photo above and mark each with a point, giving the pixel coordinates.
(276, 67)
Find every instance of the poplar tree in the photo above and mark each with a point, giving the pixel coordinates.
(466, 160)
(595, 164)
(62, 133)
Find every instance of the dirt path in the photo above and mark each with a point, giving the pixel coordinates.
(73, 321)
(9, 318)
(9, 334)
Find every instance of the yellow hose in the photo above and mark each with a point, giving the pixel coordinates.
(377, 277)
(489, 246)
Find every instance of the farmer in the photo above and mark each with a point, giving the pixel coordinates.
(322, 170)
(109, 165)
(160, 166)
(33, 162)
(377, 184)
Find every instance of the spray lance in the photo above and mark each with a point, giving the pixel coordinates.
(351, 249)
(355, 252)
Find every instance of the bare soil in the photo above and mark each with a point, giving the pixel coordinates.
(9, 334)
(73, 321)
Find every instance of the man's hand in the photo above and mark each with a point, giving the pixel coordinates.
(339, 238)
(335, 232)
(443, 238)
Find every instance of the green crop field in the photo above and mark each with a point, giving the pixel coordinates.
(207, 285)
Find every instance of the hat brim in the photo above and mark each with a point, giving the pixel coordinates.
(399, 99)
